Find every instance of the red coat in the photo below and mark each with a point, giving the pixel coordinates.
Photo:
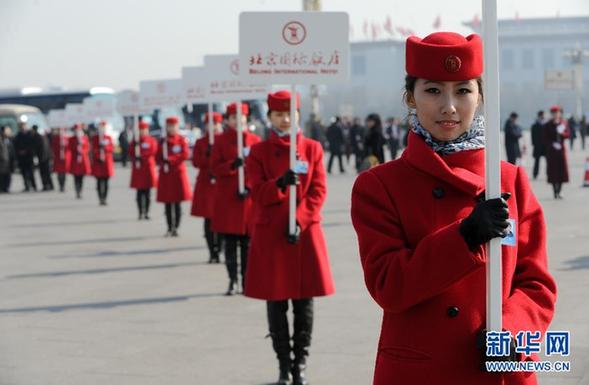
(61, 164)
(173, 186)
(143, 177)
(231, 213)
(278, 270)
(205, 187)
(102, 167)
(431, 287)
(80, 163)
(557, 167)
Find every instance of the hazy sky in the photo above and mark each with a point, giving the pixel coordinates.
(117, 43)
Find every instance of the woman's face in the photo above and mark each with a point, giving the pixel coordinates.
(370, 123)
(232, 121)
(281, 120)
(172, 129)
(445, 108)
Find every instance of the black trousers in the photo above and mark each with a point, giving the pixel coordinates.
(173, 215)
(45, 171)
(556, 188)
(5, 180)
(537, 165)
(61, 180)
(102, 188)
(213, 241)
(26, 169)
(330, 163)
(302, 328)
(79, 184)
(232, 242)
(143, 201)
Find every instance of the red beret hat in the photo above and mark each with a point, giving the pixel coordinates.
(280, 101)
(217, 117)
(555, 108)
(444, 56)
(232, 109)
(172, 120)
(143, 125)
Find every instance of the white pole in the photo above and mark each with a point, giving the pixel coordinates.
(240, 171)
(100, 141)
(292, 203)
(61, 144)
(211, 128)
(137, 138)
(164, 135)
(492, 158)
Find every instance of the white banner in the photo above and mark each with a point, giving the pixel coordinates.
(559, 80)
(57, 118)
(161, 93)
(225, 83)
(97, 108)
(75, 113)
(294, 47)
(128, 103)
(195, 84)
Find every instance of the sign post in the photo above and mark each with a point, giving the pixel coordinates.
(492, 158)
(293, 48)
(128, 105)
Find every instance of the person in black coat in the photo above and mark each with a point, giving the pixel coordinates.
(7, 159)
(335, 138)
(357, 141)
(24, 146)
(44, 155)
(538, 141)
(513, 133)
(124, 144)
(375, 140)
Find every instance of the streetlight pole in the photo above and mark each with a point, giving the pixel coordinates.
(313, 5)
(576, 55)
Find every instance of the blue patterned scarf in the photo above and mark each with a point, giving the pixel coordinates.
(472, 139)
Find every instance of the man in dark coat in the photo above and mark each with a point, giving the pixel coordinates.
(555, 132)
(335, 138)
(24, 146)
(6, 159)
(537, 141)
(512, 134)
(357, 141)
(124, 144)
(43, 153)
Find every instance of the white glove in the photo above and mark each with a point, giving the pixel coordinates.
(557, 146)
(560, 128)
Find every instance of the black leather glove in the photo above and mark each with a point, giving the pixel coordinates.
(482, 346)
(294, 238)
(289, 178)
(487, 220)
(236, 163)
(244, 194)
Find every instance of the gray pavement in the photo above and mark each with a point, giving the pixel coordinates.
(89, 295)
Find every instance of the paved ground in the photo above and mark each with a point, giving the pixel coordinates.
(89, 295)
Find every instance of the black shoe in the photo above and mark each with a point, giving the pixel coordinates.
(284, 375)
(146, 217)
(140, 217)
(299, 376)
(174, 233)
(232, 290)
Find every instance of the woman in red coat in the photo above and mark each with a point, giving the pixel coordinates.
(554, 133)
(143, 175)
(173, 185)
(422, 224)
(232, 208)
(102, 161)
(205, 188)
(61, 156)
(282, 268)
(79, 147)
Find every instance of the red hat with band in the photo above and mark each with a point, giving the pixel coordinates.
(280, 101)
(555, 108)
(172, 120)
(444, 56)
(143, 125)
(232, 109)
(217, 117)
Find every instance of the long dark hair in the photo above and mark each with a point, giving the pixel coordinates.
(377, 122)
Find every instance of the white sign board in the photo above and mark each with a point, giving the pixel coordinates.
(559, 80)
(99, 108)
(57, 118)
(195, 84)
(225, 82)
(155, 94)
(294, 47)
(75, 113)
(128, 103)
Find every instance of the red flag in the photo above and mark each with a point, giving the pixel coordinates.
(388, 26)
(437, 22)
(476, 22)
(365, 28)
(401, 31)
(375, 31)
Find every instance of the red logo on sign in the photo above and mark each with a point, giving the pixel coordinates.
(161, 88)
(294, 33)
(453, 63)
(235, 67)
